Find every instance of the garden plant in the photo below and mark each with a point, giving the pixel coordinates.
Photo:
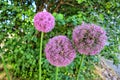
(57, 39)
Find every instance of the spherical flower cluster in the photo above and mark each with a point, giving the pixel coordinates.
(59, 51)
(44, 21)
(89, 39)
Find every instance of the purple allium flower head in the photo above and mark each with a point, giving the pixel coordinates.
(44, 21)
(89, 39)
(59, 51)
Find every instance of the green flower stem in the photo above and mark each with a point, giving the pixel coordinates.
(40, 55)
(6, 70)
(81, 61)
(56, 76)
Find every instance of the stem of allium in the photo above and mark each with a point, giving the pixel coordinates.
(6, 70)
(81, 61)
(56, 76)
(40, 56)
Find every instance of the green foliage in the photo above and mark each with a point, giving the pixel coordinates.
(80, 1)
(20, 40)
(59, 19)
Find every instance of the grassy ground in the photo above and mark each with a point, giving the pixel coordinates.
(3, 73)
(103, 71)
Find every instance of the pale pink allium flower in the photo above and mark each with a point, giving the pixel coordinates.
(59, 51)
(89, 39)
(44, 21)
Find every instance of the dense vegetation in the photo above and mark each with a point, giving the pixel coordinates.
(19, 41)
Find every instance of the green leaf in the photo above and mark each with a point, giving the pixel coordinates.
(59, 16)
(80, 1)
(54, 14)
(101, 16)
